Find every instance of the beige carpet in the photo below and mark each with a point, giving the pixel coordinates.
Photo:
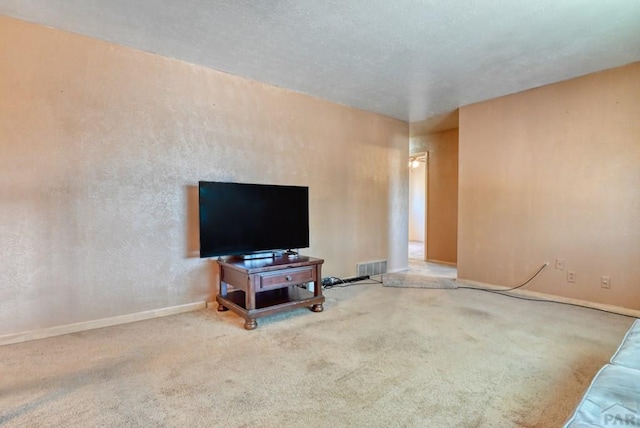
(422, 275)
(416, 280)
(377, 356)
(433, 269)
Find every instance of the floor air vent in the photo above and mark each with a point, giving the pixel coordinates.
(376, 267)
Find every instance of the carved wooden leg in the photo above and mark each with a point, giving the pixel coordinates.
(317, 307)
(250, 324)
(222, 308)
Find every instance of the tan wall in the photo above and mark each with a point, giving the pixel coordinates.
(551, 173)
(101, 147)
(442, 201)
(417, 202)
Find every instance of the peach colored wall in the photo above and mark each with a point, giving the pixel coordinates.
(442, 202)
(102, 147)
(551, 173)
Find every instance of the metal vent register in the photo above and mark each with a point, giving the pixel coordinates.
(376, 267)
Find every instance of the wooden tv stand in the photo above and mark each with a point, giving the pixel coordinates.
(267, 286)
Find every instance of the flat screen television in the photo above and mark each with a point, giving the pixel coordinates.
(241, 218)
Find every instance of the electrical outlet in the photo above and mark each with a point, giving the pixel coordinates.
(571, 276)
(559, 264)
(605, 282)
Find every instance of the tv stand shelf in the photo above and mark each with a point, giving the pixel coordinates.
(267, 286)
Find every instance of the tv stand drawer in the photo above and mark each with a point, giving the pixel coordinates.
(284, 278)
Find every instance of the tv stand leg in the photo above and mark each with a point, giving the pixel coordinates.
(317, 307)
(222, 308)
(250, 324)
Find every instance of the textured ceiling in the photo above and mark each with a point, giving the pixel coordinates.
(408, 59)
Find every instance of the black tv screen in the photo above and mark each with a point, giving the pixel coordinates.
(239, 218)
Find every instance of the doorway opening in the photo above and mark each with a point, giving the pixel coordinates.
(419, 260)
(418, 206)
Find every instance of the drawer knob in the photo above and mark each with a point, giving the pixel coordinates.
(288, 278)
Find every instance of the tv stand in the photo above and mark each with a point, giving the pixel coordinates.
(263, 287)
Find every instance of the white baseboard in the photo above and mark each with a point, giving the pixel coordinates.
(43, 333)
(440, 262)
(553, 298)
